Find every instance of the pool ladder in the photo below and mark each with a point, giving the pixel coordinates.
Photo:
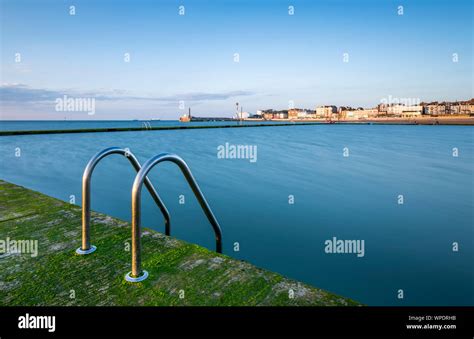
(141, 178)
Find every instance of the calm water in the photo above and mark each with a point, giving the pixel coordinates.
(407, 246)
(78, 124)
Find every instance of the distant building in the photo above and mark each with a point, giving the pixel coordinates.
(271, 114)
(268, 116)
(411, 111)
(310, 114)
(471, 109)
(344, 108)
(435, 108)
(398, 110)
(300, 113)
(455, 108)
(325, 111)
(432, 109)
(293, 113)
(458, 107)
(382, 109)
(280, 115)
(466, 108)
(359, 113)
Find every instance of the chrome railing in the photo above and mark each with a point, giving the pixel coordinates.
(86, 247)
(137, 274)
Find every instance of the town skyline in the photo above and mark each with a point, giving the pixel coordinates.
(153, 60)
(390, 102)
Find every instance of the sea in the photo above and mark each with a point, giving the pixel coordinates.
(296, 205)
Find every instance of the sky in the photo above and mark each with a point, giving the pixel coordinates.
(261, 53)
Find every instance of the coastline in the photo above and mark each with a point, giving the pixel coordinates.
(428, 120)
(447, 121)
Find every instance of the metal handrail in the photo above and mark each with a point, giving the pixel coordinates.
(137, 274)
(86, 247)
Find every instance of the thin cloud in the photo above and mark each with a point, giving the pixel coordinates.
(20, 93)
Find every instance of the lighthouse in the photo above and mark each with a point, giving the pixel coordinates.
(186, 117)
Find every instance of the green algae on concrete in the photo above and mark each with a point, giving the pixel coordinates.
(180, 273)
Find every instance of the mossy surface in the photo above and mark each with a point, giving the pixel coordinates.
(58, 276)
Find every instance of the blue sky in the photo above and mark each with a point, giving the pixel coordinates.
(282, 57)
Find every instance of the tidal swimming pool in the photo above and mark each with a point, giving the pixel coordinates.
(360, 210)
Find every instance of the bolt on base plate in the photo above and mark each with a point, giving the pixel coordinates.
(89, 251)
(141, 277)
